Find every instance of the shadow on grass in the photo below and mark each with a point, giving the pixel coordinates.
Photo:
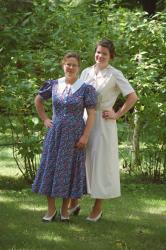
(141, 179)
(125, 225)
(139, 190)
(13, 183)
(128, 222)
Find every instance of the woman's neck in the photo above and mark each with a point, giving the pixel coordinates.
(99, 67)
(71, 81)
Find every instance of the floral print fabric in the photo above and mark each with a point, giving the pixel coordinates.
(62, 167)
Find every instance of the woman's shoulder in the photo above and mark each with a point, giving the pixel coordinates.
(115, 72)
(49, 83)
(86, 70)
(52, 81)
(88, 87)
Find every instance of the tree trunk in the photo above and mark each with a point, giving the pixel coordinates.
(136, 141)
(149, 6)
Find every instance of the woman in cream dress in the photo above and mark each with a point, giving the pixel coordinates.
(102, 161)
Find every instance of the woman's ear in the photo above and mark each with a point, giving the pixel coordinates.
(111, 57)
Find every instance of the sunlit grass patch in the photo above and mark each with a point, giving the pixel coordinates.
(134, 221)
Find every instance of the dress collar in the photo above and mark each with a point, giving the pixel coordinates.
(74, 87)
(102, 71)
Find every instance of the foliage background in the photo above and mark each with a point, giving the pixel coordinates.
(34, 37)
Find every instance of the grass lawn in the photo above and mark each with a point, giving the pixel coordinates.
(135, 221)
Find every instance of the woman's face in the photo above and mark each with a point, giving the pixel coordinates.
(102, 56)
(71, 67)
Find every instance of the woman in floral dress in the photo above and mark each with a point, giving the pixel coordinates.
(62, 167)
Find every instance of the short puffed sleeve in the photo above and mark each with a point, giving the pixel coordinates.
(122, 83)
(90, 97)
(45, 91)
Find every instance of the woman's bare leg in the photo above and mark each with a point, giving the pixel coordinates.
(73, 203)
(97, 208)
(64, 209)
(51, 205)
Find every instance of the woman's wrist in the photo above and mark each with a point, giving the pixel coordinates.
(44, 118)
(118, 114)
(85, 138)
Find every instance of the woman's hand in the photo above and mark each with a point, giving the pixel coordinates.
(81, 144)
(48, 123)
(128, 104)
(110, 114)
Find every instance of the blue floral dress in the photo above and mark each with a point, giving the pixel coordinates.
(62, 167)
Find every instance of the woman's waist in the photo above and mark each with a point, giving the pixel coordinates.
(67, 117)
(101, 108)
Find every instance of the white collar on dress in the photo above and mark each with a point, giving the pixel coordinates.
(102, 71)
(74, 87)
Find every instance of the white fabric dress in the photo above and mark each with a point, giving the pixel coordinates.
(102, 160)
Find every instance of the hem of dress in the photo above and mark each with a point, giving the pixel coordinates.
(58, 196)
(105, 197)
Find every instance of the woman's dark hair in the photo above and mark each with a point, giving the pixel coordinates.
(69, 55)
(107, 44)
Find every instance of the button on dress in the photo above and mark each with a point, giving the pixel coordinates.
(102, 161)
(62, 167)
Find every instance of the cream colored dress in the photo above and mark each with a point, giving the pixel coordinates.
(102, 161)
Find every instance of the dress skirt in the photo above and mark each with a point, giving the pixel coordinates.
(62, 170)
(62, 167)
(102, 161)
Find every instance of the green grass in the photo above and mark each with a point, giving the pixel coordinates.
(135, 221)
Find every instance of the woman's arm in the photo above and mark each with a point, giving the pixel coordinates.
(40, 109)
(129, 103)
(89, 125)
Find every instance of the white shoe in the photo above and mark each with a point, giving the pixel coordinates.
(75, 210)
(48, 218)
(96, 218)
(63, 218)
